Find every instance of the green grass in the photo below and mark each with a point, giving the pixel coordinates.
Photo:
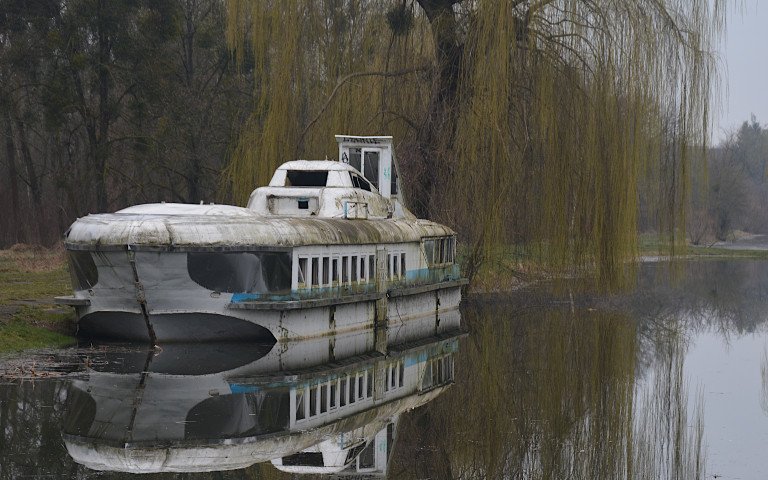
(651, 244)
(29, 279)
(19, 335)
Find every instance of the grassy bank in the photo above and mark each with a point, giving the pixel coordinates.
(29, 279)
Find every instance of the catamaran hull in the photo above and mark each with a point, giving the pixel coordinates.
(150, 297)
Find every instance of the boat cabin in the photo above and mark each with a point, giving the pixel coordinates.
(361, 185)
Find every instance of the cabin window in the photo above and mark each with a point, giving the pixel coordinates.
(334, 390)
(301, 413)
(438, 371)
(396, 266)
(302, 178)
(360, 182)
(353, 275)
(371, 167)
(352, 389)
(323, 398)
(303, 204)
(304, 459)
(326, 270)
(362, 269)
(344, 270)
(302, 271)
(401, 373)
(368, 384)
(335, 275)
(313, 401)
(315, 271)
(355, 158)
(372, 267)
(343, 391)
(440, 250)
(82, 269)
(241, 272)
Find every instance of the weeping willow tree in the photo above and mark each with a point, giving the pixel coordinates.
(527, 122)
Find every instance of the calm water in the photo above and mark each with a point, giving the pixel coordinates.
(668, 381)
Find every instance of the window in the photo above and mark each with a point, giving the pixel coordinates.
(343, 391)
(333, 392)
(315, 271)
(303, 271)
(355, 158)
(440, 250)
(83, 270)
(371, 167)
(335, 276)
(402, 264)
(360, 182)
(326, 270)
(401, 374)
(300, 404)
(313, 401)
(302, 178)
(323, 398)
(354, 269)
(368, 384)
(396, 266)
(362, 269)
(372, 267)
(344, 270)
(360, 386)
(234, 272)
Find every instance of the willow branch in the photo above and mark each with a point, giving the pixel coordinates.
(340, 83)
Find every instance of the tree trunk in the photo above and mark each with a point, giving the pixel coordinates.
(13, 178)
(33, 184)
(436, 137)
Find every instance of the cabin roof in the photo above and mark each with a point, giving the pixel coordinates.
(315, 165)
(181, 226)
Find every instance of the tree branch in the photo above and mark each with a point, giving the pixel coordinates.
(341, 83)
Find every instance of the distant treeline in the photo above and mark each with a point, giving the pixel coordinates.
(730, 187)
(104, 104)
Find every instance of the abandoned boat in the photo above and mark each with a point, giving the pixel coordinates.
(327, 247)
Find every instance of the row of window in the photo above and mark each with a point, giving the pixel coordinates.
(337, 393)
(329, 271)
(395, 375)
(438, 371)
(396, 266)
(440, 250)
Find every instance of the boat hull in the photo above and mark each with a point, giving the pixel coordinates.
(149, 296)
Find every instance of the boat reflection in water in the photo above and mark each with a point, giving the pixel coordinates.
(323, 406)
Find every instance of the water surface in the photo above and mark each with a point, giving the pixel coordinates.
(669, 380)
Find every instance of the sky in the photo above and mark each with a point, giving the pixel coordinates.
(744, 69)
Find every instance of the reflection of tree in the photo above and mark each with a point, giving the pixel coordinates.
(551, 394)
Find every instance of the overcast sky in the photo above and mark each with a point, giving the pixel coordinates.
(744, 68)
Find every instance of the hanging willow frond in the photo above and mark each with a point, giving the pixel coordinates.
(533, 125)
